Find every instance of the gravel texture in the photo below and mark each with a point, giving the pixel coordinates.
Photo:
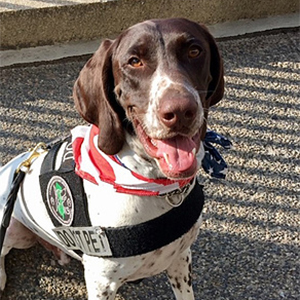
(248, 247)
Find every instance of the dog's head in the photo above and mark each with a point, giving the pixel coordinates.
(155, 82)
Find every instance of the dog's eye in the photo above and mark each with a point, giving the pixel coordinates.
(194, 52)
(135, 62)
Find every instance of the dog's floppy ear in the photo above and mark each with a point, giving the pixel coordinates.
(216, 86)
(95, 100)
(215, 89)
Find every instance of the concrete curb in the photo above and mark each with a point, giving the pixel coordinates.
(73, 49)
(89, 21)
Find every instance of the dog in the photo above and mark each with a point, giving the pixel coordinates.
(147, 96)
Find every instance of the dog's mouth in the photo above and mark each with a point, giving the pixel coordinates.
(176, 156)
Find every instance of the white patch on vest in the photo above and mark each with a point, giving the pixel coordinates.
(90, 240)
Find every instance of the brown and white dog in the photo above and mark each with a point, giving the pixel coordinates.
(147, 94)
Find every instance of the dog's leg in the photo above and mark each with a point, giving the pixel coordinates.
(180, 276)
(102, 278)
(2, 274)
(61, 257)
(17, 236)
(3, 277)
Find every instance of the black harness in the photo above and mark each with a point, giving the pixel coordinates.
(130, 240)
(123, 241)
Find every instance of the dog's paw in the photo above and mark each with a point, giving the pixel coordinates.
(2, 280)
(63, 259)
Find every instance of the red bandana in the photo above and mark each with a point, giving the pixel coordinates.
(94, 165)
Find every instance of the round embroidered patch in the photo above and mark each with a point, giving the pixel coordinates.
(60, 200)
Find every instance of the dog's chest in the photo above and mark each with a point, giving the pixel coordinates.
(120, 210)
(156, 261)
(116, 209)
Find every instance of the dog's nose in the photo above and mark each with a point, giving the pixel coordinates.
(178, 113)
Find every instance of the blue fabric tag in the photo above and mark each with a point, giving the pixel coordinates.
(213, 163)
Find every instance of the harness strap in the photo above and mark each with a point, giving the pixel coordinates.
(49, 160)
(9, 205)
(73, 181)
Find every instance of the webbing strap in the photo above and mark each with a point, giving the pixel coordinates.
(9, 206)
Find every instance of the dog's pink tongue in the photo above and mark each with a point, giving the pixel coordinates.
(176, 154)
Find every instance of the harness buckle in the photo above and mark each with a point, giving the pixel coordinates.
(35, 152)
(180, 192)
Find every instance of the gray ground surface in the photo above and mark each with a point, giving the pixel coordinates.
(248, 247)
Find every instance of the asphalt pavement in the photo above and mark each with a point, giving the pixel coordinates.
(248, 247)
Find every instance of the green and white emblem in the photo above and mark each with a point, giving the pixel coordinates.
(60, 200)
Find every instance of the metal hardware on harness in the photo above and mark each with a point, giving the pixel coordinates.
(20, 172)
(180, 192)
(174, 204)
(25, 165)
